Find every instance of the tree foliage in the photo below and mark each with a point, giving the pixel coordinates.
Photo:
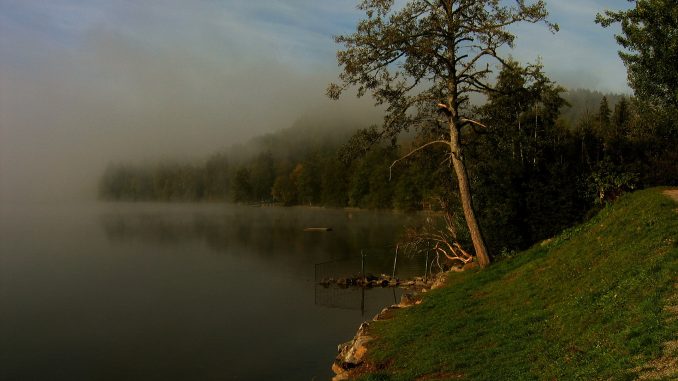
(650, 42)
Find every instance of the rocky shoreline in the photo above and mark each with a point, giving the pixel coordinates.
(350, 360)
(371, 281)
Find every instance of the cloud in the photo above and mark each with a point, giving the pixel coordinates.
(582, 54)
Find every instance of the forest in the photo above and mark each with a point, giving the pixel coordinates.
(545, 163)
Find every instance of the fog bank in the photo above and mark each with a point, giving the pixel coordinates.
(143, 90)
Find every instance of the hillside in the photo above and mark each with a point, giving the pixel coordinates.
(599, 301)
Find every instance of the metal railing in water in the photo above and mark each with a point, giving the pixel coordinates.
(368, 263)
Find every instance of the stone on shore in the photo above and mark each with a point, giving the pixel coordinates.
(351, 353)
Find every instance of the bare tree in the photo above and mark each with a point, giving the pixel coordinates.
(422, 61)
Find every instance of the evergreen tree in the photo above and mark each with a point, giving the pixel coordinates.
(604, 113)
(649, 39)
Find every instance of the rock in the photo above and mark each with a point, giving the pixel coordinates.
(338, 370)
(359, 349)
(408, 299)
(386, 314)
(341, 377)
(362, 329)
(351, 353)
(379, 315)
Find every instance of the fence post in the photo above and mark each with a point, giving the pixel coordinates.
(426, 267)
(395, 261)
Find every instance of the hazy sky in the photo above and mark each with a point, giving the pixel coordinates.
(87, 82)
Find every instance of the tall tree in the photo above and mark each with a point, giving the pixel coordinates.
(650, 41)
(522, 154)
(423, 61)
(604, 113)
(622, 115)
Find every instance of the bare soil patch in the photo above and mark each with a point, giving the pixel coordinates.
(673, 193)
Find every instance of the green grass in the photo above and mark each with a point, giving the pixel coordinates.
(587, 305)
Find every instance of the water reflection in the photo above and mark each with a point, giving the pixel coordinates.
(353, 298)
(272, 233)
(176, 292)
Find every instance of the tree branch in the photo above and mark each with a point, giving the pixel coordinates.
(471, 121)
(390, 168)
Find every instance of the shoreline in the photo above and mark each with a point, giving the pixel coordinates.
(350, 361)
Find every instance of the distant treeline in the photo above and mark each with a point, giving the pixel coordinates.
(533, 171)
(316, 178)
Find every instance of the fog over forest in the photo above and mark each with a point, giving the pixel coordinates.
(63, 122)
(87, 83)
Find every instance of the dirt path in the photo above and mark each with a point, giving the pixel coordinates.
(673, 193)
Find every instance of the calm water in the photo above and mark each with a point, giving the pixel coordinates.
(180, 291)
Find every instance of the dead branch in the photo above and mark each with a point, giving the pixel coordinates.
(443, 108)
(432, 238)
(390, 168)
(475, 122)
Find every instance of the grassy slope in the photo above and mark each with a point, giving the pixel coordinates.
(590, 304)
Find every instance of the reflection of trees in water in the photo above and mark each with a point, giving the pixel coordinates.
(146, 228)
(266, 232)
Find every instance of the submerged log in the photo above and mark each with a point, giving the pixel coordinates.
(318, 229)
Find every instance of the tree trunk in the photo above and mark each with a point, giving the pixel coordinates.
(466, 200)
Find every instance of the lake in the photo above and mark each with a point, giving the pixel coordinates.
(120, 291)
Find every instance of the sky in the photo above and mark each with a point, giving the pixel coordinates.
(84, 83)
